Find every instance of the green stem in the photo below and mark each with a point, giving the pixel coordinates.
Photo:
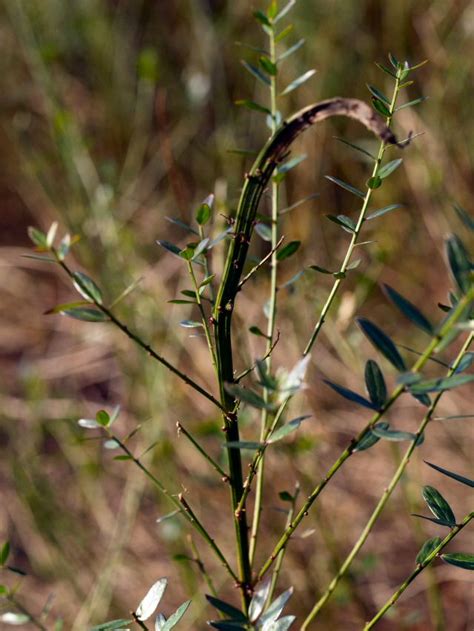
(180, 504)
(384, 498)
(420, 567)
(133, 336)
(202, 568)
(443, 332)
(272, 312)
(341, 274)
(211, 461)
(205, 322)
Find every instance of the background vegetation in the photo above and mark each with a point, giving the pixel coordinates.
(117, 114)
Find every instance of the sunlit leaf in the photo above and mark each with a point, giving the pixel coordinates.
(389, 168)
(291, 50)
(176, 617)
(268, 65)
(4, 553)
(87, 287)
(297, 82)
(148, 605)
(259, 599)
(10, 617)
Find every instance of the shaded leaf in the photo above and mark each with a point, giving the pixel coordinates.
(426, 549)
(170, 247)
(181, 224)
(256, 72)
(375, 384)
(389, 168)
(342, 220)
(382, 342)
(369, 438)
(459, 559)
(247, 396)
(350, 395)
(268, 65)
(287, 250)
(229, 610)
(204, 211)
(346, 186)
(466, 362)
(459, 263)
(410, 103)
(466, 219)
(438, 505)
(286, 429)
(378, 94)
(4, 552)
(252, 105)
(451, 474)
(291, 164)
(299, 81)
(356, 147)
(441, 384)
(381, 108)
(383, 211)
(409, 310)
(120, 623)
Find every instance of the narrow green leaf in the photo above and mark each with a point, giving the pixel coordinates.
(286, 429)
(263, 231)
(175, 617)
(321, 270)
(170, 247)
(268, 65)
(201, 248)
(262, 18)
(369, 438)
(251, 105)
(87, 287)
(288, 250)
(346, 186)
(460, 559)
(381, 108)
(438, 505)
(190, 324)
(459, 262)
(374, 182)
(354, 146)
(434, 520)
(467, 220)
(38, 237)
(383, 211)
(182, 224)
(291, 164)
(291, 50)
(247, 396)
(113, 624)
(297, 82)
(39, 257)
(389, 168)
(426, 549)
(284, 11)
(410, 103)
(375, 384)
(85, 314)
(284, 33)
(343, 220)
(244, 444)
(382, 343)
(229, 610)
(441, 384)
(408, 309)
(4, 552)
(466, 362)
(394, 61)
(451, 474)
(378, 94)
(350, 395)
(392, 434)
(385, 69)
(228, 625)
(102, 418)
(256, 72)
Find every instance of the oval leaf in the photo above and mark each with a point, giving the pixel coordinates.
(438, 505)
(382, 343)
(151, 601)
(426, 549)
(459, 559)
(86, 287)
(85, 314)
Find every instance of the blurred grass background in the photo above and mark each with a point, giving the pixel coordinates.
(118, 113)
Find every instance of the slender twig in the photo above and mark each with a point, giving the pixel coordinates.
(205, 321)
(31, 618)
(385, 496)
(445, 330)
(136, 338)
(210, 460)
(202, 568)
(260, 263)
(272, 308)
(341, 274)
(248, 370)
(419, 568)
(187, 512)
